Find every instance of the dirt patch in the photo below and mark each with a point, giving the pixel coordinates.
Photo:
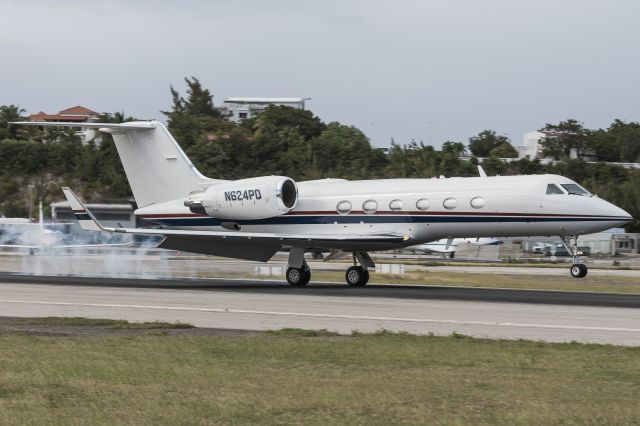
(17, 325)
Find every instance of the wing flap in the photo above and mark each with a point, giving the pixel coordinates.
(259, 252)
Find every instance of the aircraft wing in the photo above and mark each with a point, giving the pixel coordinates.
(241, 245)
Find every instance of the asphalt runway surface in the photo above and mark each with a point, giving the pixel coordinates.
(261, 305)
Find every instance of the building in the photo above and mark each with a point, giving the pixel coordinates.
(113, 215)
(77, 114)
(530, 147)
(240, 109)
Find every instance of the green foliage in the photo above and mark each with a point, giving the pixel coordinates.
(504, 150)
(620, 142)
(9, 113)
(486, 141)
(564, 137)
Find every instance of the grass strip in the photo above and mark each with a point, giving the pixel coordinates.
(314, 377)
(107, 323)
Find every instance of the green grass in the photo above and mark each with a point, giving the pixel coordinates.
(297, 377)
(108, 323)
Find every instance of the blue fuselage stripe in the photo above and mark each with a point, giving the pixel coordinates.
(352, 219)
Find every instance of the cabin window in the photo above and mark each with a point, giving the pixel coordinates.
(395, 205)
(344, 207)
(450, 203)
(574, 189)
(553, 189)
(370, 206)
(477, 202)
(422, 204)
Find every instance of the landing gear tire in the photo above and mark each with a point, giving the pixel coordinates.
(579, 271)
(356, 276)
(299, 277)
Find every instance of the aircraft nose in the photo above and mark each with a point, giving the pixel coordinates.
(614, 211)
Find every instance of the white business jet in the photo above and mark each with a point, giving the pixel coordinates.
(254, 218)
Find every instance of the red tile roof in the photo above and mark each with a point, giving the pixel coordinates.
(78, 110)
(77, 113)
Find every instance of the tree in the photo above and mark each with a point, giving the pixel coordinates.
(504, 150)
(308, 125)
(626, 137)
(455, 148)
(9, 113)
(565, 138)
(195, 117)
(487, 140)
(199, 102)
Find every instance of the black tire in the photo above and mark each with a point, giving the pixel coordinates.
(366, 276)
(578, 270)
(298, 277)
(356, 276)
(583, 270)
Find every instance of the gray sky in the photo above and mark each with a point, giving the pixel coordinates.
(427, 70)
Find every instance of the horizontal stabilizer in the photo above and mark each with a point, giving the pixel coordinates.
(134, 125)
(84, 217)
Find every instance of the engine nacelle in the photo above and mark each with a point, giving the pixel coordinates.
(246, 199)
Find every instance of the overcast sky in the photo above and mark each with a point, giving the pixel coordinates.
(426, 70)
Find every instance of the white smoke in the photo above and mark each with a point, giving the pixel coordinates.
(36, 250)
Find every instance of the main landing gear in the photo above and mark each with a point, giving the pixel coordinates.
(578, 270)
(298, 272)
(358, 275)
(299, 276)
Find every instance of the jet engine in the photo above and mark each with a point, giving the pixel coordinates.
(246, 199)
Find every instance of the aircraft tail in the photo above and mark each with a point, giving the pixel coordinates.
(156, 167)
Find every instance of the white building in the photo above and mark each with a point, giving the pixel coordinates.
(530, 145)
(243, 108)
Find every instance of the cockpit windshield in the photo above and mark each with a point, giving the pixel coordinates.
(575, 189)
(553, 189)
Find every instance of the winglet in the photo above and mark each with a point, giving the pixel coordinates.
(481, 171)
(85, 218)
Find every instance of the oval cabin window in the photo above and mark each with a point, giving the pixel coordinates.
(395, 205)
(477, 202)
(423, 204)
(450, 203)
(344, 207)
(370, 206)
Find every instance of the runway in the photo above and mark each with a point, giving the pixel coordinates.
(262, 305)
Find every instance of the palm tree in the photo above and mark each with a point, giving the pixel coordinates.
(9, 113)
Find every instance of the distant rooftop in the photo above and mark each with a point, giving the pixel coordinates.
(76, 113)
(263, 100)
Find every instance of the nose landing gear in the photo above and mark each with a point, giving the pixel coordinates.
(578, 270)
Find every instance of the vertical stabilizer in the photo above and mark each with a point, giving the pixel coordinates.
(156, 167)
